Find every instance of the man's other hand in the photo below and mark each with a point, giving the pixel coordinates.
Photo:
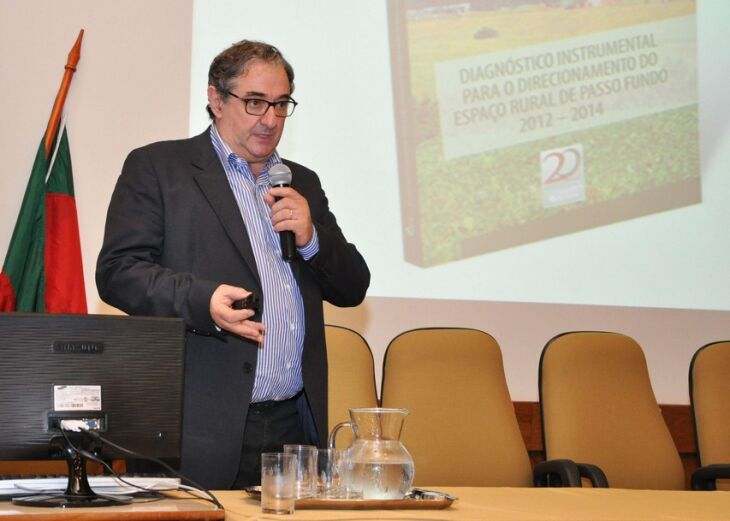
(236, 321)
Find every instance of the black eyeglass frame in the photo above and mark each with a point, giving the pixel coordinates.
(289, 101)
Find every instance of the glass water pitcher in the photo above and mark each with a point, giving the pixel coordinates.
(376, 465)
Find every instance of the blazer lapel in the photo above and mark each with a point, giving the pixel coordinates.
(213, 183)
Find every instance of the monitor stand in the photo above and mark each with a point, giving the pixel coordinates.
(78, 492)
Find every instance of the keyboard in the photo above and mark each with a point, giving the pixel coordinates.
(20, 486)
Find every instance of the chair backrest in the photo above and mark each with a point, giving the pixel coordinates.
(462, 429)
(598, 407)
(351, 377)
(709, 387)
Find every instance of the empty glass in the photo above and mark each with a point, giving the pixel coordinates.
(278, 475)
(305, 484)
(330, 478)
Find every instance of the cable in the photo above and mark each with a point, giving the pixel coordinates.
(88, 427)
(211, 497)
(93, 457)
(89, 455)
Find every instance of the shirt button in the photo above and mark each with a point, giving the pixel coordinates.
(288, 365)
(291, 326)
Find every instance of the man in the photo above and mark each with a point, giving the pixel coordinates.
(193, 226)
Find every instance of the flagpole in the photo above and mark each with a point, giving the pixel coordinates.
(54, 120)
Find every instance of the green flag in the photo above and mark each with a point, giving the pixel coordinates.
(43, 270)
(21, 281)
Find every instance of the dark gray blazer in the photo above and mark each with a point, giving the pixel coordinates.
(173, 235)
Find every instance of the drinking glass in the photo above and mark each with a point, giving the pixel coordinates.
(330, 473)
(278, 475)
(305, 484)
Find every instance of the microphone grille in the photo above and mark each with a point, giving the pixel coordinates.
(279, 174)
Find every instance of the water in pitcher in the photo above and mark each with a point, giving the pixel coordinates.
(382, 480)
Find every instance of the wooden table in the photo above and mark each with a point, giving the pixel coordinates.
(525, 504)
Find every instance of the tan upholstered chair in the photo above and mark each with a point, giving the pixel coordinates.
(462, 429)
(598, 407)
(709, 386)
(351, 377)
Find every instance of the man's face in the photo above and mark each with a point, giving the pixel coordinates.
(254, 138)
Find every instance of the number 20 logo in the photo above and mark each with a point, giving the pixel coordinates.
(559, 165)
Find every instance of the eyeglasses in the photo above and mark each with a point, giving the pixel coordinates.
(259, 107)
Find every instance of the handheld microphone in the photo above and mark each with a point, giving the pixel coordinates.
(280, 175)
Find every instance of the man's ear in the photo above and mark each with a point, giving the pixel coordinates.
(215, 101)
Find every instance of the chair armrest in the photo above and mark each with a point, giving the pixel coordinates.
(567, 473)
(556, 473)
(705, 478)
(594, 474)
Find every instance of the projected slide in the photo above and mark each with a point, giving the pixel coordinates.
(522, 120)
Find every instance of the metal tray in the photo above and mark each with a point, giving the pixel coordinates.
(417, 499)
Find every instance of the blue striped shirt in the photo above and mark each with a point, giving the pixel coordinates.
(279, 365)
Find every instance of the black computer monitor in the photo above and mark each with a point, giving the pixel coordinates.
(120, 375)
